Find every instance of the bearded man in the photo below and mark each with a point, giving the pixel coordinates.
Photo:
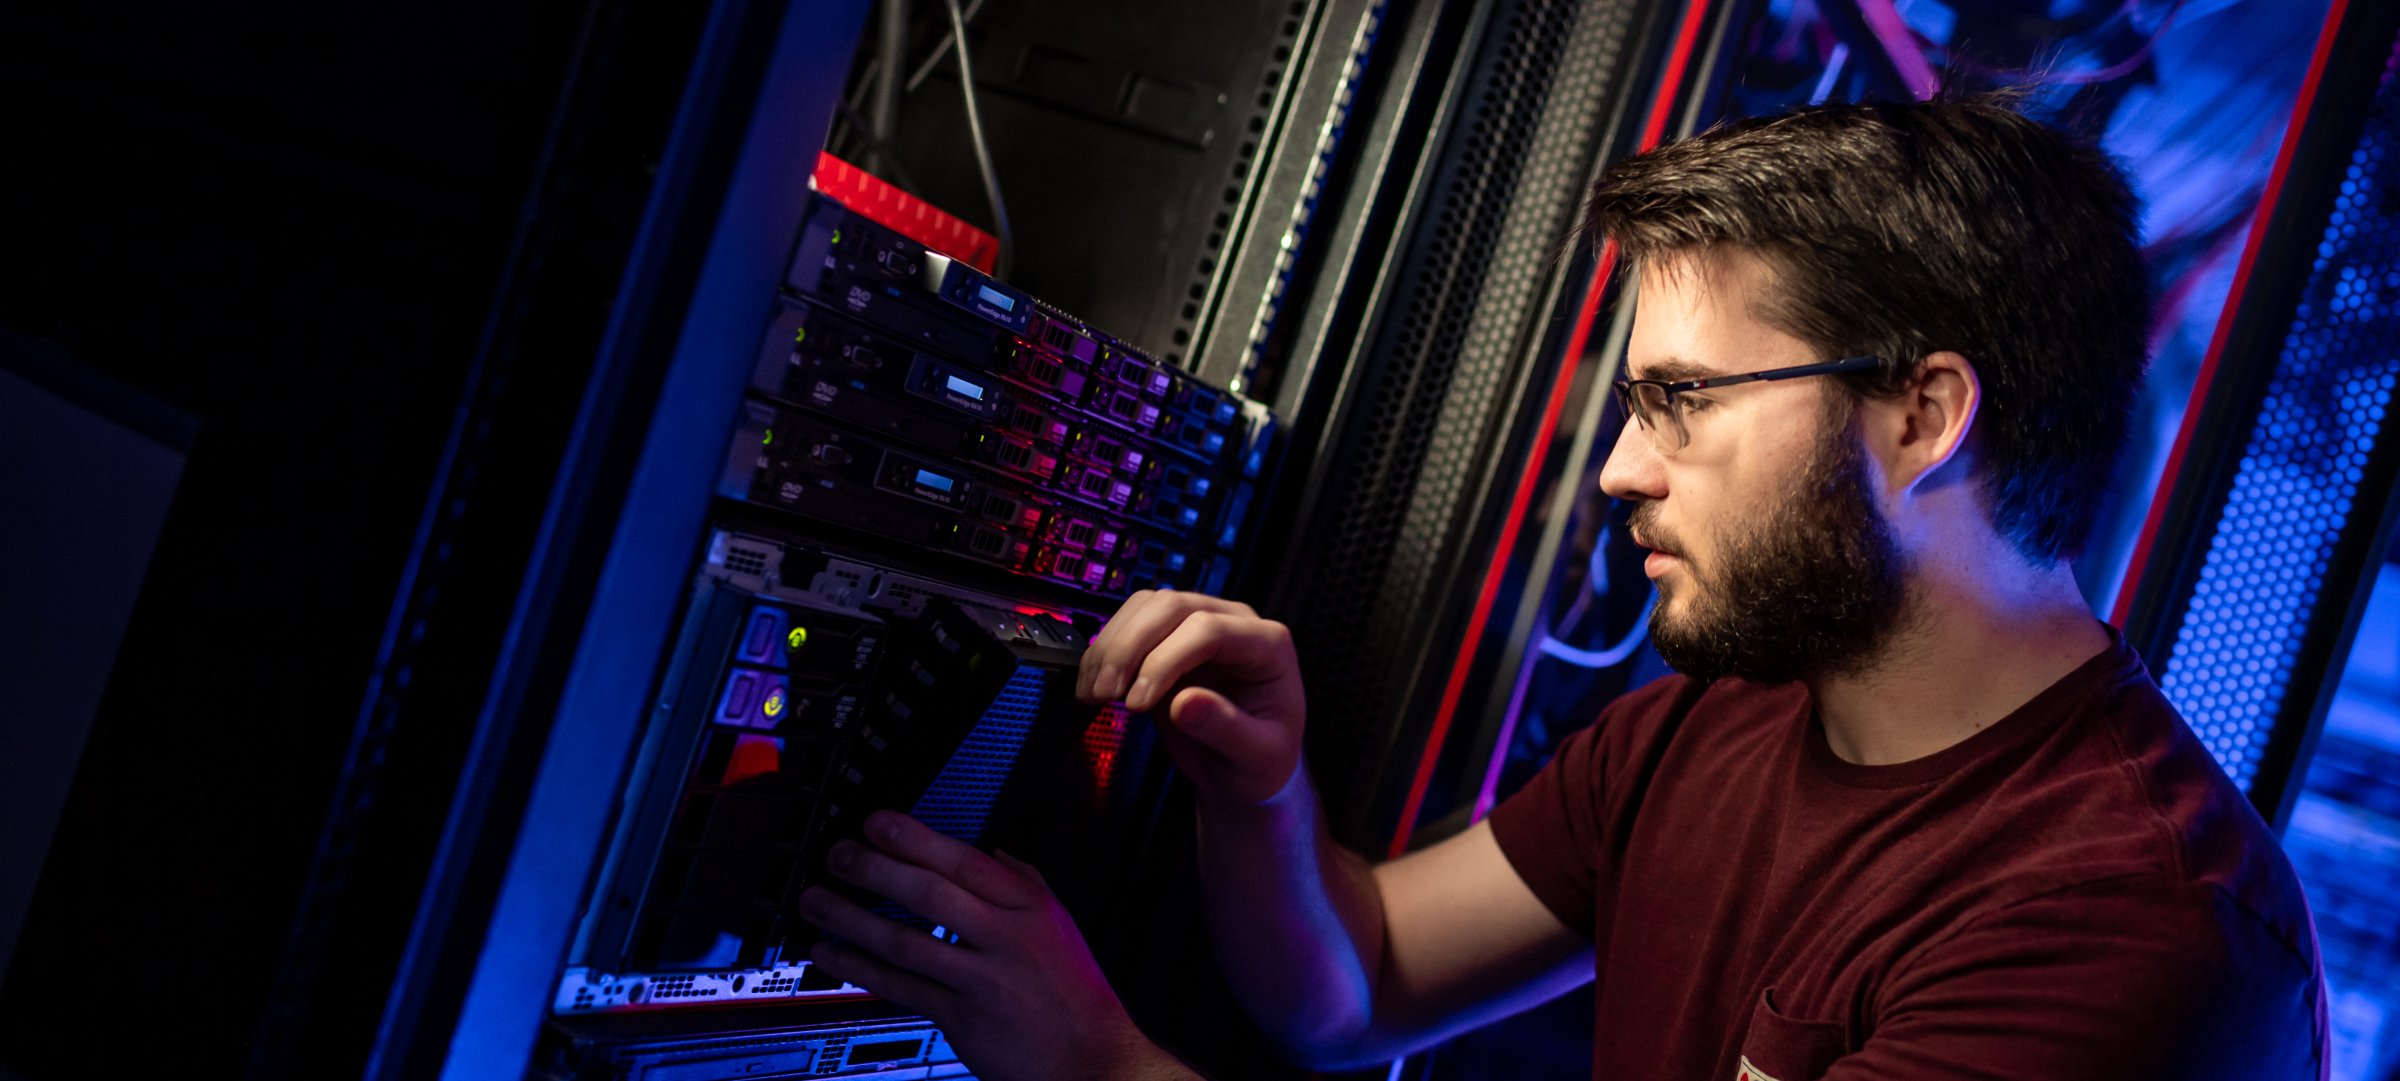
(1908, 811)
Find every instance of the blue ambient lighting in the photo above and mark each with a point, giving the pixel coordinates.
(2300, 470)
(2293, 499)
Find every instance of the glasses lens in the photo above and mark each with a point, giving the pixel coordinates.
(1658, 417)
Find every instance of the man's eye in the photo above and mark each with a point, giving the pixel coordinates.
(1687, 404)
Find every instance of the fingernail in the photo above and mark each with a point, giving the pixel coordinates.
(884, 825)
(842, 856)
(812, 904)
(1139, 696)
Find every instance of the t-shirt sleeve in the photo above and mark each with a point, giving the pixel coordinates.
(1565, 831)
(2127, 978)
(1550, 831)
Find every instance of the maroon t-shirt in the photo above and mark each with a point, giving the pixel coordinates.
(2076, 891)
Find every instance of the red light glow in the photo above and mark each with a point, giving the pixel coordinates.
(1102, 739)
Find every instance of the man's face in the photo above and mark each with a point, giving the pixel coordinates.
(1771, 554)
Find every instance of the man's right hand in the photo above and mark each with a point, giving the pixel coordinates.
(1342, 963)
(1227, 679)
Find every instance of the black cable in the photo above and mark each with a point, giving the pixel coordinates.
(933, 58)
(865, 132)
(892, 53)
(983, 150)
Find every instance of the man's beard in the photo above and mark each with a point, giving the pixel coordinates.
(1813, 586)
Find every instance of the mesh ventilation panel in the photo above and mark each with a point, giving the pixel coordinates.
(960, 799)
(1470, 295)
(2292, 495)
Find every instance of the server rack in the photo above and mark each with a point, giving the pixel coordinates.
(1386, 281)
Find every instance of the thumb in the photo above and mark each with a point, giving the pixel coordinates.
(1213, 721)
(1204, 715)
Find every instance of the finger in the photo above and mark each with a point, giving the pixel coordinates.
(1205, 717)
(904, 948)
(1021, 867)
(1095, 675)
(903, 989)
(1087, 670)
(916, 889)
(1240, 648)
(1125, 644)
(954, 862)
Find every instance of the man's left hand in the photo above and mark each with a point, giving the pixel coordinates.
(1018, 993)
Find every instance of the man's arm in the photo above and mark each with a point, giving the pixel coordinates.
(1419, 949)
(1343, 963)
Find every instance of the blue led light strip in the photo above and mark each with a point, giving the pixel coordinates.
(2293, 495)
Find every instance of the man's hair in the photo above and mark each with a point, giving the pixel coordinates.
(1900, 230)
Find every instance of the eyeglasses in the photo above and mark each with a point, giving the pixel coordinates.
(1659, 406)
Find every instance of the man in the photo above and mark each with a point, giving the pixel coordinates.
(1908, 811)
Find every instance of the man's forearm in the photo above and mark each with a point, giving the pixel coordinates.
(1296, 921)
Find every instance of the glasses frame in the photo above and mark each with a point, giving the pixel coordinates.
(1670, 388)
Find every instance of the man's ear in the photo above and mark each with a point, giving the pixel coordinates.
(1921, 430)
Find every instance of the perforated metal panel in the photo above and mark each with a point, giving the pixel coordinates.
(1445, 373)
(2297, 492)
(959, 801)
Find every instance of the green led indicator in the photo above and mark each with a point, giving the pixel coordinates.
(798, 637)
(768, 438)
(837, 236)
(799, 335)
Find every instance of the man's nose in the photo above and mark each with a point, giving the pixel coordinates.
(1633, 469)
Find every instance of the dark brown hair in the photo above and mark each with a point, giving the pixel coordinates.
(1899, 230)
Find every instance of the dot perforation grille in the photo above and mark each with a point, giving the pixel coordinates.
(2293, 494)
(1449, 362)
(959, 801)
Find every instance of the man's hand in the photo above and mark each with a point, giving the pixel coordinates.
(1018, 994)
(1227, 678)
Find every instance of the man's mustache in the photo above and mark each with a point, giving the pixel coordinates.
(1643, 523)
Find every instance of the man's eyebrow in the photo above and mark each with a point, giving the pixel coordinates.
(1675, 370)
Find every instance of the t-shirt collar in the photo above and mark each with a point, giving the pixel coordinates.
(2104, 669)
